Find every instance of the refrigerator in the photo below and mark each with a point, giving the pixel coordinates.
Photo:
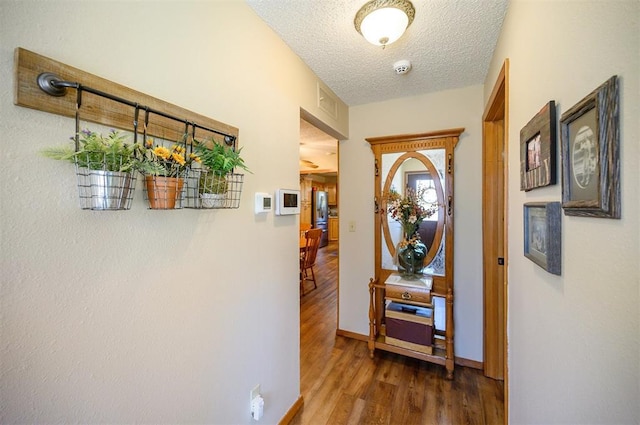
(320, 214)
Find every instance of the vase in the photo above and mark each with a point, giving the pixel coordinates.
(410, 259)
(163, 191)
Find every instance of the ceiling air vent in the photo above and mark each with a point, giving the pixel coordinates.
(327, 102)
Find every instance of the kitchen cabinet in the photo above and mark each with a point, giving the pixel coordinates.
(305, 190)
(305, 200)
(333, 229)
(332, 190)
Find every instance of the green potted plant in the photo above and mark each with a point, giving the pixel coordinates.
(164, 170)
(218, 161)
(105, 167)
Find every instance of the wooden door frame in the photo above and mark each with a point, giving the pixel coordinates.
(495, 130)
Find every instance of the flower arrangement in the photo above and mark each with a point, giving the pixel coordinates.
(98, 152)
(159, 160)
(409, 211)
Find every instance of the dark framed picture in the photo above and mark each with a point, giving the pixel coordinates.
(590, 134)
(538, 149)
(543, 235)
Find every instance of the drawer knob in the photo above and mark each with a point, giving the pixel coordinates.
(406, 296)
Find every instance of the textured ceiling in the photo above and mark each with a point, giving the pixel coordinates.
(449, 44)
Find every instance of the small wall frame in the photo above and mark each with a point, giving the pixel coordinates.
(543, 235)
(591, 154)
(538, 149)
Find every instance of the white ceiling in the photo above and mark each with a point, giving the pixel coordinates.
(449, 45)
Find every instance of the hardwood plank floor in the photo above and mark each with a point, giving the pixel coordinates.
(340, 384)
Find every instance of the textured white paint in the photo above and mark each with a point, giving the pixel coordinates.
(449, 45)
(574, 350)
(419, 114)
(150, 316)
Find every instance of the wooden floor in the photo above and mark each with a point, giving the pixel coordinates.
(340, 384)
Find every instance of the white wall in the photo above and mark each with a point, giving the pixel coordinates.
(419, 114)
(150, 316)
(573, 339)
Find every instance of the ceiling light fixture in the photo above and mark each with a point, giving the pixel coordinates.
(382, 22)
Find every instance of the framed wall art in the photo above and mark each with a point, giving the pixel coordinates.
(543, 235)
(538, 149)
(591, 154)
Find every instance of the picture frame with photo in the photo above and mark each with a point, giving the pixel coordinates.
(543, 235)
(538, 149)
(590, 133)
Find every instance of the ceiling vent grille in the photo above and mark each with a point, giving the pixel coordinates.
(327, 102)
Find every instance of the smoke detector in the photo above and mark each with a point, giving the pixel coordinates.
(402, 67)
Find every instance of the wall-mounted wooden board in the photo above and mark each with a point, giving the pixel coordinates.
(94, 108)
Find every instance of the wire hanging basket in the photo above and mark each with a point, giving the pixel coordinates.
(213, 190)
(100, 188)
(164, 165)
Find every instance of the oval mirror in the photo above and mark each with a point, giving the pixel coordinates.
(423, 173)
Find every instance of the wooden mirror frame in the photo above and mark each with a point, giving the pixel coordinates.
(431, 169)
(408, 144)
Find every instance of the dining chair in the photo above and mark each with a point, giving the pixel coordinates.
(303, 228)
(308, 258)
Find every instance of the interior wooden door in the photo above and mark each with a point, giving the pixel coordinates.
(494, 229)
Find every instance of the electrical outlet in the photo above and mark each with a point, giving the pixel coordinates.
(255, 392)
(256, 403)
(352, 226)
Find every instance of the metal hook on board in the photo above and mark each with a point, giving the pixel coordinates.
(78, 105)
(146, 123)
(136, 114)
(229, 140)
(53, 85)
(193, 133)
(185, 136)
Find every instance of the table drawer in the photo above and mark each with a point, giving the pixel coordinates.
(408, 294)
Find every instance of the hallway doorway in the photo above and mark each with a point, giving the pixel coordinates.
(319, 173)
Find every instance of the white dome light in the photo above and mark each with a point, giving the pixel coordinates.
(381, 22)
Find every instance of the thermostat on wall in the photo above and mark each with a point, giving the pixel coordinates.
(264, 202)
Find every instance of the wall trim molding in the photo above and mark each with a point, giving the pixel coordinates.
(352, 335)
(293, 410)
